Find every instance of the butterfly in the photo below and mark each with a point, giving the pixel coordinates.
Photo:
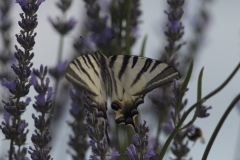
(120, 81)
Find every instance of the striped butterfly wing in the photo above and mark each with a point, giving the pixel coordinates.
(84, 73)
(133, 77)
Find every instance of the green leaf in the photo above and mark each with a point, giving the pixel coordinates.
(188, 76)
(199, 90)
(143, 46)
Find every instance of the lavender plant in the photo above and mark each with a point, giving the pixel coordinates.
(90, 126)
(139, 150)
(14, 127)
(63, 27)
(43, 104)
(78, 140)
(6, 54)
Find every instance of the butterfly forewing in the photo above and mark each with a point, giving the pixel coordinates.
(84, 73)
(139, 75)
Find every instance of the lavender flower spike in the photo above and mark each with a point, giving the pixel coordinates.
(138, 150)
(15, 128)
(43, 105)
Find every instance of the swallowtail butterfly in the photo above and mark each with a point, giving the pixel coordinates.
(123, 80)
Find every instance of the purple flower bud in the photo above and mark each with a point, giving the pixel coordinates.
(40, 99)
(92, 144)
(136, 140)
(33, 80)
(39, 2)
(202, 111)
(21, 127)
(168, 127)
(22, 3)
(131, 152)
(6, 117)
(47, 81)
(58, 71)
(148, 154)
(9, 85)
(71, 23)
(50, 93)
(75, 108)
(28, 100)
(93, 157)
(175, 25)
(63, 27)
(115, 154)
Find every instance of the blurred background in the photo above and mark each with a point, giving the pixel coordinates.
(219, 54)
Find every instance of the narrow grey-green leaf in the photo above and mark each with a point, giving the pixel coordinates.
(199, 90)
(143, 46)
(188, 76)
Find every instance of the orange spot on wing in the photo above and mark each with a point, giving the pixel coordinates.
(118, 103)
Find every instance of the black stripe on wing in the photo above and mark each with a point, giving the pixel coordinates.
(78, 64)
(85, 61)
(125, 62)
(112, 60)
(164, 77)
(75, 78)
(135, 59)
(155, 65)
(147, 64)
(91, 64)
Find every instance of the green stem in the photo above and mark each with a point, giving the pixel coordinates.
(218, 127)
(11, 148)
(176, 129)
(54, 98)
(166, 144)
(14, 125)
(60, 49)
(212, 93)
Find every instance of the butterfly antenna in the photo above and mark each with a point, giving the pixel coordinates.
(107, 42)
(89, 44)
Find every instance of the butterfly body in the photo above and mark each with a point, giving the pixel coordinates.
(122, 79)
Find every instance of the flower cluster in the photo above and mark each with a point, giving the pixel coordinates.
(100, 31)
(97, 131)
(43, 105)
(63, 27)
(6, 55)
(174, 31)
(14, 127)
(200, 22)
(138, 150)
(78, 141)
(180, 145)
